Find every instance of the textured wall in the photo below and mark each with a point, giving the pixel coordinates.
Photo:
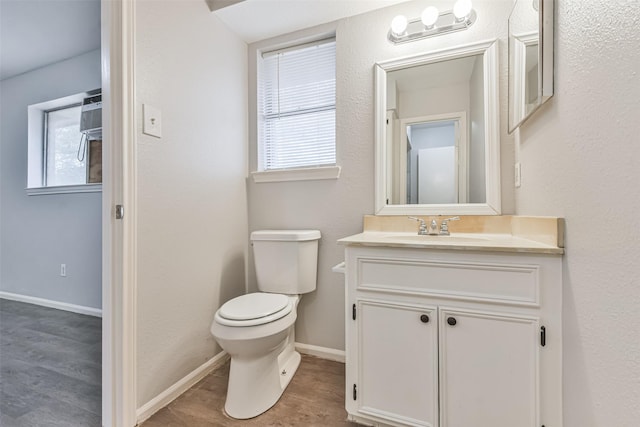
(336, 207)
(41, 232)
(581, 160)
(191, 199)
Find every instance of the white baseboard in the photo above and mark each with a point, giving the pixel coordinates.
(169, 395)
(321, 352)
(90, 311)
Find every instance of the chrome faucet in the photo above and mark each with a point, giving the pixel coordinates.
(432, 230)
(444, 225)
(422, 229)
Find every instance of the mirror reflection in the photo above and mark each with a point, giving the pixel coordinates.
(436, 138)
(437, 133)
(526, 92)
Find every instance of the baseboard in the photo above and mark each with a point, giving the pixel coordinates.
(321, 352)
(80, 309)
(169, 395)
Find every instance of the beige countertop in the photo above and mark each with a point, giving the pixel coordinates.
(543, 235)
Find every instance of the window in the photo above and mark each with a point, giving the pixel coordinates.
(60, 158)
(297, 107)
(64, 148)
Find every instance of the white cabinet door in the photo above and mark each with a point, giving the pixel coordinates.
(397, 372)
(488, 369)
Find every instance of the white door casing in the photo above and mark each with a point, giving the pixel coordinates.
(118, 235)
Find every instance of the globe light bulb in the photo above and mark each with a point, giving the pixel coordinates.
(399, 25)
(461, 9)
(430, 16)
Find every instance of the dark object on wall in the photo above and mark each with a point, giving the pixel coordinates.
(95, 161)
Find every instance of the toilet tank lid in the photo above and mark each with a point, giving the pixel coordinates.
(285, 235)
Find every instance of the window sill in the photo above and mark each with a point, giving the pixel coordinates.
(64, 189)
(299, 174)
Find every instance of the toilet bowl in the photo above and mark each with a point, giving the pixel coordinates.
(263, 358)
(257, 329)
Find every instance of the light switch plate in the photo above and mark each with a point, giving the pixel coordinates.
(518, 175)
(152, 118)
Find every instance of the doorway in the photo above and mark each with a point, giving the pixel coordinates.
(431, 158)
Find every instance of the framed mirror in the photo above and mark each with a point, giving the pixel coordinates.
(530, 58)
(437, 133)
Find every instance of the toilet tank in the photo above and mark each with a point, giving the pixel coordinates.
(286, 261)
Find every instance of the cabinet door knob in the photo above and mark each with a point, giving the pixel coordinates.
(424, 318)
(452, 321)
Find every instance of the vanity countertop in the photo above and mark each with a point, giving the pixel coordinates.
(542, 235)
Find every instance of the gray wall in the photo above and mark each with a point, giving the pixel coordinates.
(477, 181)
(336, 207)
(580, 158)
(38, 233)
(191, 218)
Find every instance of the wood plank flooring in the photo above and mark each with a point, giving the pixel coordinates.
(314, 398)
(50, 375)
(50, 367)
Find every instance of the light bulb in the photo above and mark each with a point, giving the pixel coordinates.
(399, 25)
(461, 9)
(430, 16)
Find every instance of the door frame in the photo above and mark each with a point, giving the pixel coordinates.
(461, 144)
(119, 399)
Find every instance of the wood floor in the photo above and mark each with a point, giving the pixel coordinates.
(314, 398)
(50, 367)
(50, 375)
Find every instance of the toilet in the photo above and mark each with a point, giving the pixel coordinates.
(257, 329)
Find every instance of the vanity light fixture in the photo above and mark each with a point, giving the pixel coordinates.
(432, 23)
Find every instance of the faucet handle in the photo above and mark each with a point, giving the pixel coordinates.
(444, 225)
(423, 225)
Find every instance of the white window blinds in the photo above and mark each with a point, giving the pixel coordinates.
(298, 106)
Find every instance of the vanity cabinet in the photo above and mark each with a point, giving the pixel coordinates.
(453, 338)
(397, 370)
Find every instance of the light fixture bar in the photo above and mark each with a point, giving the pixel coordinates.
(446, 23)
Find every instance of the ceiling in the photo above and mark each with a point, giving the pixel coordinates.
(35, 33)
(255, 20)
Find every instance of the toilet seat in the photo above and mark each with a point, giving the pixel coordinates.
(254, 309)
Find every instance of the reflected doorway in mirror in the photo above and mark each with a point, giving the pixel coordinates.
(432, 160)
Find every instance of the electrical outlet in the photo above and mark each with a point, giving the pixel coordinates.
(63, 270)
(518, 175)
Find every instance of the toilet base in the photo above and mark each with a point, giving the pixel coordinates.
(256, 384)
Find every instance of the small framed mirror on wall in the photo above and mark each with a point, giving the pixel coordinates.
(530, 58)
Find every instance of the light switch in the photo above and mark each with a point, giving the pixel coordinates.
(152, 118)
(518, 175)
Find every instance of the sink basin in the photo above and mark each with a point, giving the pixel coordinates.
(437, 239)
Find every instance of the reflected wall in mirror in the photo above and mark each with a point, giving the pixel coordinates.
(437, 133)
(530, 58)
(436, 156)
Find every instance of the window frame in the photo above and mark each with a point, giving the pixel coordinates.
(301, 173)
(37, 152)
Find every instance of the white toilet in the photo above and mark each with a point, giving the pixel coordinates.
(257, 329)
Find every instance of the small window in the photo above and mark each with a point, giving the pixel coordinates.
(297, 107)
(61, 159)
(64, 147)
